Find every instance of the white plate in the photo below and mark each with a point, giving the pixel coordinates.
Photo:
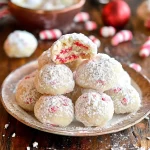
(118, 123)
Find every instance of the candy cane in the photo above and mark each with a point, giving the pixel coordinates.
(50, 34)
(145, 49)
(122, 36)
(90, 25)
(81, 17)
(95, 40)
(4, 12)
(107, 31)
(136, 67)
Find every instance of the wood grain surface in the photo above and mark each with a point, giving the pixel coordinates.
(131, 139)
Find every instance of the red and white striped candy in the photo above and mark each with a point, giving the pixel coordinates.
(4, 12)
(145, 49)
(95, 40)
(90, 25)
(136, 67)
(81, 17)
(107, 31)
(147, 23)
(50, 34)
(122, 36)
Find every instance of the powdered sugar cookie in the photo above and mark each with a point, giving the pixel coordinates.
(126, 99)
(20, 44)
(44, 59)
(124, 78)
(94, 109)
(26, 93)
(100, 73)
(54, 79)
(55, 110)
(31, 4)
(70, 47)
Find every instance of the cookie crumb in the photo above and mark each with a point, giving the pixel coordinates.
(13, 135)
(35, 144)
(28, 148)
(6, 126)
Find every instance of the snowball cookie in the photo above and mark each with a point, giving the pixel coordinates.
(70, 47)
(94, 109)
(32, 4)
(55, 110)
(26, 93)
(100, 73)
(124, 78)
(54, 79)
(126, 99)
(20, 44)
(45, 58)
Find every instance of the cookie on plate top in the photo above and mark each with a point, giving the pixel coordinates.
(70, 47)
(100, 73)
(54, 79)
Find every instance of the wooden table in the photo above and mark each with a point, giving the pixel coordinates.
(130, 139)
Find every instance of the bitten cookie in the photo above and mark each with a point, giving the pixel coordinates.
(94, 109)
(55, 110)
(54, 79)
(26, 93)
(20, 44)
(70, 47)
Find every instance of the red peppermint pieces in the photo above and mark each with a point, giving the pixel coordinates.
(103, 99)
(100, 81)
(116, 90)
(53, 109)
(64, 51)
(27, 77)
(80, 45)
(29, 100)
(124, 101)
(65, 102)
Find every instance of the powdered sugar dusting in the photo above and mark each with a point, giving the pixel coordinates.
(20, 44)
(26, 93)
(28, 148)
(94, 109)
(102, 71)
(54, 77)
(13, 135)
(126, 98)
(6, 126)
(35, 144)
(49, 107)
(69, 47)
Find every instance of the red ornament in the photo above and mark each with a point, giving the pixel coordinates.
(116, 13)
